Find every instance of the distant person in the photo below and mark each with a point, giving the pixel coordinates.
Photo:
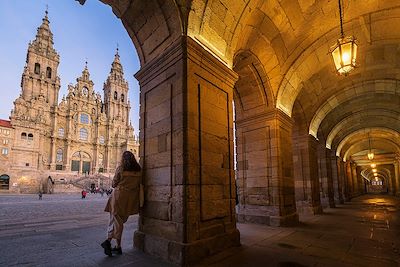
(83, 193)
(124, 200)
(40, 195)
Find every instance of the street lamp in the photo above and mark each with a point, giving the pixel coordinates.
(344, 51)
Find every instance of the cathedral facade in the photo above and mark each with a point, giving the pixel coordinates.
(81, 136)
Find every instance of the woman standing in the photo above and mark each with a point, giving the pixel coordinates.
(124, 200)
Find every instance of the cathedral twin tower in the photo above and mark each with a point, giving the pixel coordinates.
(81, 134)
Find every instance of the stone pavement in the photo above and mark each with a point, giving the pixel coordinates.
(64, 230)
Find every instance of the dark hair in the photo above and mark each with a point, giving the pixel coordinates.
(129, 163)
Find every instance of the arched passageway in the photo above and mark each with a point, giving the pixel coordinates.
(303, 133)
(4, 182)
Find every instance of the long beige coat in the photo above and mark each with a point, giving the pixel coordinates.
(124, 199)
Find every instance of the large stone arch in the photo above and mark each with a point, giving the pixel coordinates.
(153, 25)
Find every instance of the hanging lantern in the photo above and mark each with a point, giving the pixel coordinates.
(344, 51)
(370, 155)
(344, 54)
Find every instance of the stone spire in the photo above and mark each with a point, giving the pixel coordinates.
(85, 73)
(44, 38)
(116, 72)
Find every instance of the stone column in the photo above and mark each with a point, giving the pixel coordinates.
(306, 175)
(53, 154)
(265, 170)
(397, 177)
(348, 181)
(67, 159)
(356, 189)
(341, 179)
(329, 174)
(186, 140)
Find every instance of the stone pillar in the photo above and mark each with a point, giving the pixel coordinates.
(306, 178)
(341, 179)
(356, 188)
(53, 154)
(186, 135)
(67, 159)
(265, 170)
(329, 174)
(335, 177)
(348, 181)
(397, 177)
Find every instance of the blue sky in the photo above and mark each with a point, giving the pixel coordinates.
(89, 32)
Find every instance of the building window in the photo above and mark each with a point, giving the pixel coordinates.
(75, 106)
(122, 97)
(37, 68)
(59, 155)
(4, 151)
(5, 142)
(83, 134)
(27, 164)
(48, 72)
(59, 167)
(115, 95)
(6, 132)
(61, 132)
(101, 139)
(30, 136)
(94, 111)
(85, 118)
(23, 136)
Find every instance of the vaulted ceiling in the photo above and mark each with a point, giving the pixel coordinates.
(280, 48)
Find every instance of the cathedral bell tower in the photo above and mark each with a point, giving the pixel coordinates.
(40, 73)
(115, 88)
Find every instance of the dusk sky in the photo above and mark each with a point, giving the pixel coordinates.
(89, 32)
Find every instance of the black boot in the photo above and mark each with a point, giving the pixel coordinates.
(107, 247)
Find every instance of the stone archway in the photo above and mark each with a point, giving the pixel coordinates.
(4, 182)
(81, 162)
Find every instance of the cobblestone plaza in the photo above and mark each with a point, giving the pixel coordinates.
(65, 230)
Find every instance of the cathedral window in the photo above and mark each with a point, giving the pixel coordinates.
(94, 111)
(48, 72)
(101, 139)
(115, 95)
(30, 136)
(23, 135)
(59, 155)
(122, 97)
(37, 68)
(4, 151)
(61, 132)
(85, 118)
(83, 134)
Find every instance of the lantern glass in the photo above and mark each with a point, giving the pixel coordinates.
(370, 155)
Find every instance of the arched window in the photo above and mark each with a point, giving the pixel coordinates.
(48, 72)
(115, 95)
(83, 134)
(84, 118)
(59, 157)
(122, 97)
(61, 132)
(93, 111)
(37, 68)
(30, 136)
(101, 139)
(23, 135)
